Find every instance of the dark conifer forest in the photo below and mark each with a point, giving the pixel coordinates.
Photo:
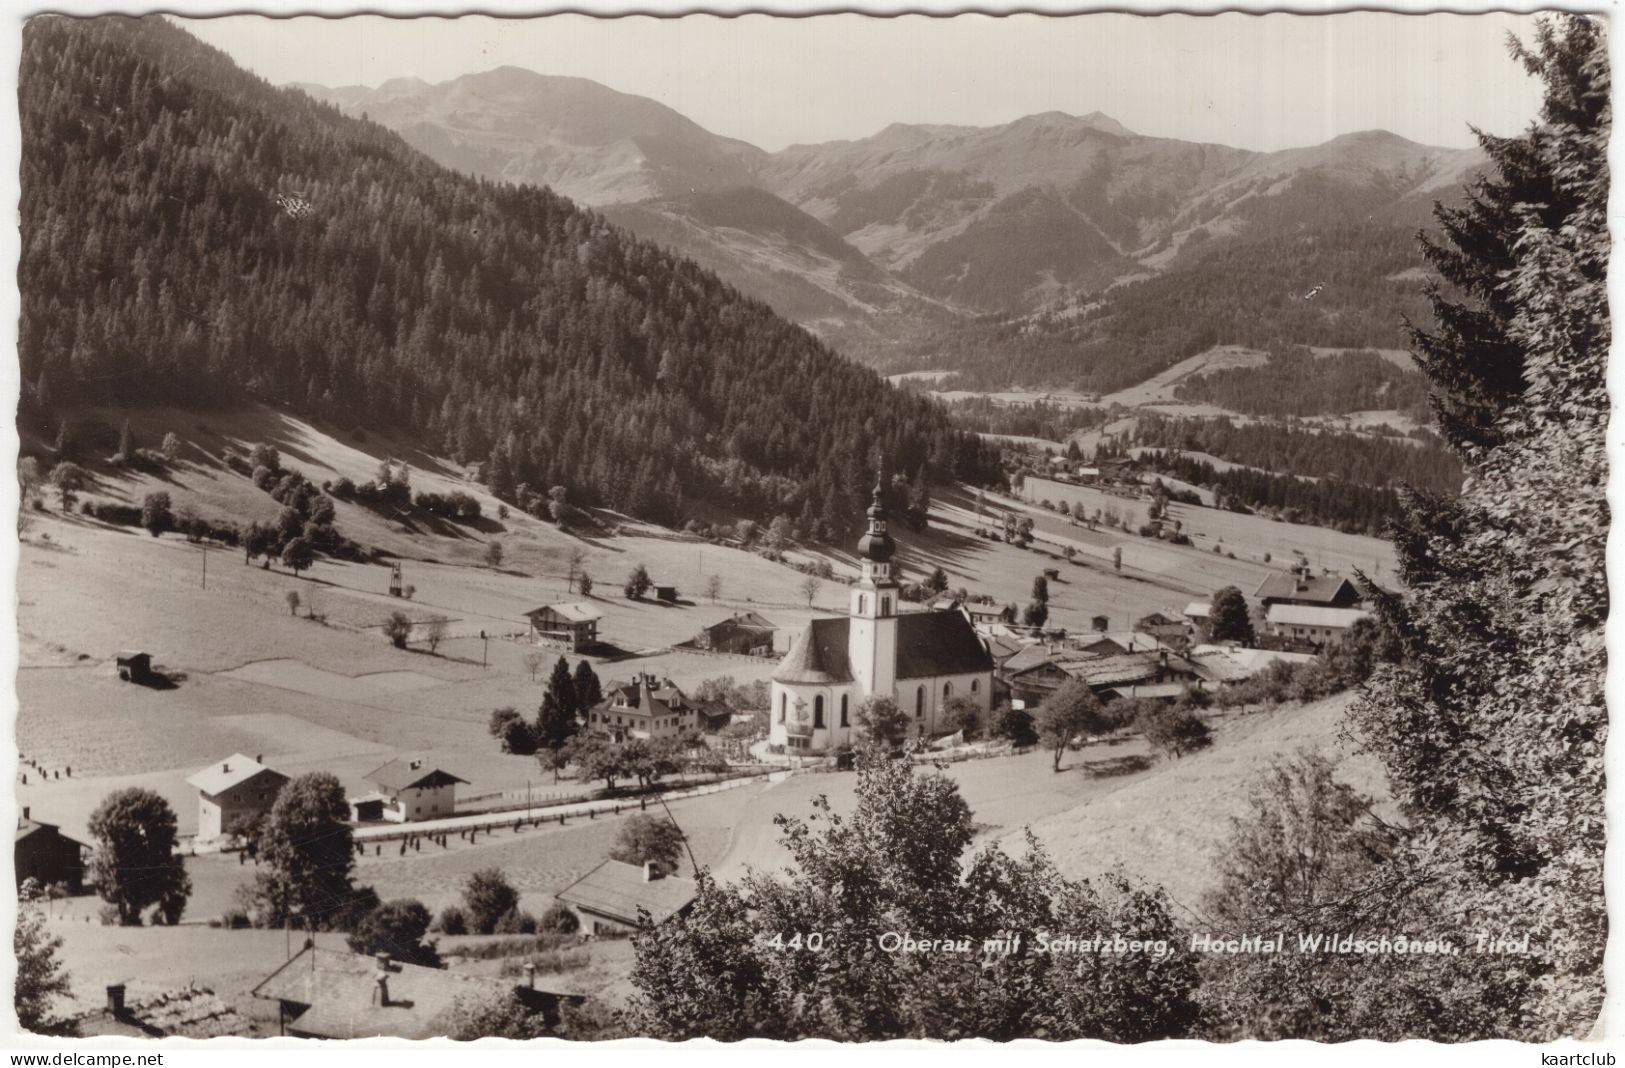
(195, 236)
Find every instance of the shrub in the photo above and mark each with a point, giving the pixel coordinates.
(515, 921)
(451, 921)
(559, 920)
(487, 898)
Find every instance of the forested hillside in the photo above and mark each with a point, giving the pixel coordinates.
(1239, 291)
(193, 235)
(1296, 382)
(1425, 465)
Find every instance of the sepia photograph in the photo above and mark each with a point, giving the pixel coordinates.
(940, 527)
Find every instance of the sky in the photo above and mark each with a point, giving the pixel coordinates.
(1261, 82)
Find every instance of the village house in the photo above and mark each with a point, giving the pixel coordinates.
(232, 791)
(1160, 625)
(922, 660)
(408, 791)
(645, 708)
(1218, 664)
(744, 633)
(1196, 614)
(985, 614)
(1111, 643)
(46, 855)
(335, 994)
(1318, 626)
(1301, 586)
(1040, 670)
(572, 625)
(608, 898)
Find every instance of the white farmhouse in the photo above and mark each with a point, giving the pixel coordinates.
(408, 791)
(1322, 626)
(922, 660)
(232, 790)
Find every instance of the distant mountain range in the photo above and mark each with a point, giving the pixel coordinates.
(883, 243)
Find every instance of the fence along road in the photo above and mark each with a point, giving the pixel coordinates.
(543, 814)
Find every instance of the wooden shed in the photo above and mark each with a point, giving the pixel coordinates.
(134, 665)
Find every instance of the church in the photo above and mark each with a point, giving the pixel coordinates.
(922, 660)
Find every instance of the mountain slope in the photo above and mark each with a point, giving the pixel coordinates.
(661, 176)
(582, 139)
(890, 245)
(193, 235)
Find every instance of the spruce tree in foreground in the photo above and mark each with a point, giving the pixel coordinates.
(1492, 731)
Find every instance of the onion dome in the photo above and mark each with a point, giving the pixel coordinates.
(877, 545)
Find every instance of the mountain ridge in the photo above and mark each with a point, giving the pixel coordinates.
(953, 222)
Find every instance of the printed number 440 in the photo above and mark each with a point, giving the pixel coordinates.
(813, 941)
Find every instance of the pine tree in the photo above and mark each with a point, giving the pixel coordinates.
(556, 721)
(1492, 732)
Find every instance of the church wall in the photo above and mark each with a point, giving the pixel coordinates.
(932, 720)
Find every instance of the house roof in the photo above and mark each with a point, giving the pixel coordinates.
(1003, 647)
(1111, 670)
(1128, 641)
(189, 1012)
(1198, 609)
(341, 990)
(1158, 619)
(745, 620)
(1030, 657)
(406, 774)
(617, 890)
(1322, 589)
(573, 611)
(236, 769)
(1302, 615)
(27, 828)
(1219, 663)
(654, 697)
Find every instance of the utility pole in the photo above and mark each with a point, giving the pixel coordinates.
(485, 646)
(204, 546)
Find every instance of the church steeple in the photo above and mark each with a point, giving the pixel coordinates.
(872, 631)
(876, 547)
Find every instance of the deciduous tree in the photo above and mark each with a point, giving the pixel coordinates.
(135, 864)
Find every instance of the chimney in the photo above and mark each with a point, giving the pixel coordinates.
(225, 765)
(381, 994)
(25, 812)
(383, 961)
(651, 871)
(115, 999)
(530, 975)
(259, 758)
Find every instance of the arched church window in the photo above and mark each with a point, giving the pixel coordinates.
(947, 690)
(885, 606)
(975, 685)
(784, 701)
(919, 702)
(818, 711)
(862, 603)
(844, 721)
